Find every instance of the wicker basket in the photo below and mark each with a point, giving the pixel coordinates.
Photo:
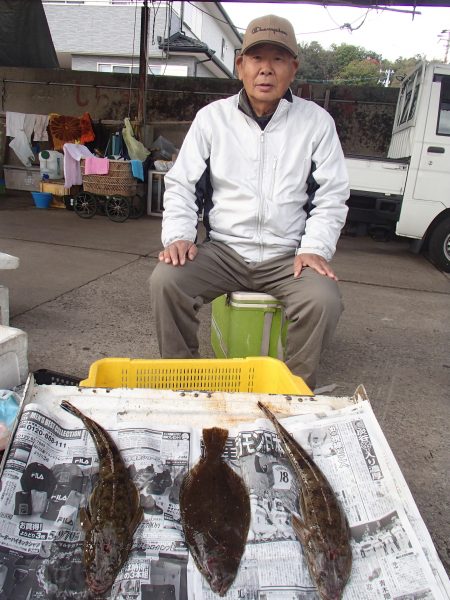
(118, 182)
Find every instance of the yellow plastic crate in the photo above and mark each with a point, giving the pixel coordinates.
(261, 375)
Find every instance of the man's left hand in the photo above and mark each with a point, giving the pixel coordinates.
(314, 261)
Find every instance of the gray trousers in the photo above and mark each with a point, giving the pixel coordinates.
(312, 302)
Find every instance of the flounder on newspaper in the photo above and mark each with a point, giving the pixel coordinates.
(323, 528)
(215, 514)
(113, 512)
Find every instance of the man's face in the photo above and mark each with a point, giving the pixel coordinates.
(266, 71)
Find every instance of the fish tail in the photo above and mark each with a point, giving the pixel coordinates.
(92, 426)
(71, 409)
(283, 434)
(269, 414)
(215, 439)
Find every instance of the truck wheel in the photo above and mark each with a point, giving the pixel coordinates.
(439, 246)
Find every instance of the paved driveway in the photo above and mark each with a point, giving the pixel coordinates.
(81, 294)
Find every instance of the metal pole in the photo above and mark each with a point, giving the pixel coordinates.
(142, 91)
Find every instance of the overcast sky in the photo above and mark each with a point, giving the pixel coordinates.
(386, 32)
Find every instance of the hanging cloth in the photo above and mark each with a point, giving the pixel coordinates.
(64, 129)
(96, 166)
(87, 133)
(73, 153)
(22, 149)
(14, 123)
(40, 128)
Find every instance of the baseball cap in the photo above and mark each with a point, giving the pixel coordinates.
(270, 29)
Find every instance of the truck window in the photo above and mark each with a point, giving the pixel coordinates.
(443, 125)
(408, 98)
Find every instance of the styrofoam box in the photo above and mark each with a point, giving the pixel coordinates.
(22, 178)
(13, 357)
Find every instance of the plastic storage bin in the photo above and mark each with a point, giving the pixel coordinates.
(263, 375)
(248, 324)
(22, 178)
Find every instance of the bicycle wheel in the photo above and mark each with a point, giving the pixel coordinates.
(117, 208)
(85, 205)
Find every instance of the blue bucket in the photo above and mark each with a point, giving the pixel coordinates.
(42, 199)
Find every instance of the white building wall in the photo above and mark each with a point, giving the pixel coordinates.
(214, 30)
(104, 30)
(109, 29)
(192, 17)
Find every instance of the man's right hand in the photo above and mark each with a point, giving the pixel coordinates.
(176, 253)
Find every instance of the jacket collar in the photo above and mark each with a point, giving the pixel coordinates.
(245, 106)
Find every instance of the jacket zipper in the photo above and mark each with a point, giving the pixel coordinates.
(260, 215)
(262, 196)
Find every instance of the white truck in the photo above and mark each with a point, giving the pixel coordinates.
(409, 191)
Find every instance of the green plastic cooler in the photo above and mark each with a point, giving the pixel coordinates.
(248, 324)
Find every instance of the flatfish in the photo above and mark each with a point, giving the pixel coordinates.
(112, 514)
(215, 514)
(322, 528)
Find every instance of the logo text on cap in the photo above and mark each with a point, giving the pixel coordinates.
(278, 30)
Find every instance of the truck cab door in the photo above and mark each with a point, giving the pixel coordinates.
(433, 174)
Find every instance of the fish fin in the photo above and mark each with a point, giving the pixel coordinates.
(85, 518)
(187, 482)
(301, 531)
(136, 520)
(215, 439)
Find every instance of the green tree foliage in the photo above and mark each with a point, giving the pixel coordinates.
(344, 54)
(345, 64)
(314, 63)
(360, 72)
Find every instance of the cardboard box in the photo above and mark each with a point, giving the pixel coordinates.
(22, 178)
(248, 324)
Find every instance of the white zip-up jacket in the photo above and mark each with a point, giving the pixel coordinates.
(259, 181)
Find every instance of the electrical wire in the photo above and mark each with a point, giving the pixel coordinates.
(132, 60)
(341, 80)
(347, 25)
(297, 34)
(167, 29)
(165, 37)
(154, 12)
(359, 26)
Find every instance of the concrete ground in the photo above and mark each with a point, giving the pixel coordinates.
(81, 294)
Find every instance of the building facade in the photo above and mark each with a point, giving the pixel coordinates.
(184, 39)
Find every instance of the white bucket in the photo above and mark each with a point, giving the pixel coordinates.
(51, 164)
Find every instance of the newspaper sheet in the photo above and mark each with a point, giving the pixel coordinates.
(52, 463)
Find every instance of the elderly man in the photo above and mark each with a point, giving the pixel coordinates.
(257, 151)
